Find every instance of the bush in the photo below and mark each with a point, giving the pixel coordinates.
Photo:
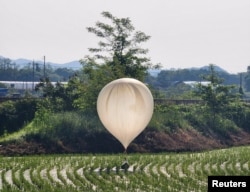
(168, 118)
(15, 114)
(77, 130)
(197, 117)
(201, 118)
(239, 113)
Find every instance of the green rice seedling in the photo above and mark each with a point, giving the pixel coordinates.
(148, 172)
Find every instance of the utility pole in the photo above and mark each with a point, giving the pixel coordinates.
(44, 75)
(33, 78)
(241, 89)
(240, 79)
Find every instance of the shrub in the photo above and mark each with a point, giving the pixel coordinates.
(240, 114)
(15, 114)
(168, 118)
(77, 130)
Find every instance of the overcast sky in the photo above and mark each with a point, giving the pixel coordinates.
(184, 33)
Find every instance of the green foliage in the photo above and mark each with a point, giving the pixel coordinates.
(93, 79)
(215, 95)
(118, 55)
(119, 47)
(121, 56)
(239, 113)
(167, 78)
(58, 97)
(171, 117)
(179, 91)
(147, 172)
(15, 114)
(42, 113)
(200, 119)
(78, 130)
(66, 125)
(168, 118)
(247, 80)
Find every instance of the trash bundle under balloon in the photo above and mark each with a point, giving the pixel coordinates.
(125, 107)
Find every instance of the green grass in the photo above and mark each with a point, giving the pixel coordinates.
(15, 136)
(56, 126)
(147, 172)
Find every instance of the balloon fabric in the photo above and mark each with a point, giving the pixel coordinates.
(125, 107)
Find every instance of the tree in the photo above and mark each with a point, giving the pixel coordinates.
(247, 79)
(59, 97)
(215, 95)
(118, 55)
(119, 48)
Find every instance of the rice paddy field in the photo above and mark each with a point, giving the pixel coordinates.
(147, 172)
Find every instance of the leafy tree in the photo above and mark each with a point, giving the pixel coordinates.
(89, 83)
(119, 47)
(166, 78)
(215, 95)
(15, 114)
(118, 55)
(247, 79)
(46, 87)
(64, 73)
(59, 96)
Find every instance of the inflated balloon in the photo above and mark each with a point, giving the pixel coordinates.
(125, 107)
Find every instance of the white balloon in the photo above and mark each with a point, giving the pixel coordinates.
(125, 107)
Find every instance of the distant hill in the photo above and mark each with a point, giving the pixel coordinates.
(216, 68)
(76, 65)
(206, 67)
(22, 62)
(155, 72)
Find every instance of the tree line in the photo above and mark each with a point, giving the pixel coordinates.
(10, 71)
(166, 79)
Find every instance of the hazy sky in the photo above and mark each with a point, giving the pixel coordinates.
(184, 33)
